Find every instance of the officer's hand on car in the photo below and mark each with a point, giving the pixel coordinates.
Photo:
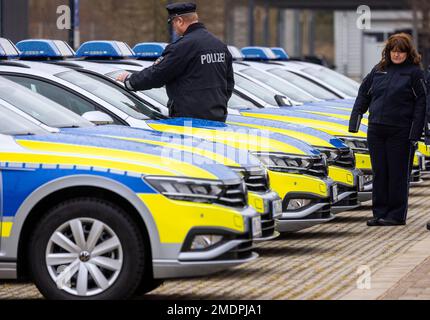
(122, 76)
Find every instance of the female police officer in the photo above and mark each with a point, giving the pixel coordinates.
(394, 92)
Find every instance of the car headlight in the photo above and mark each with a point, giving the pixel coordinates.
(197, 190)
(358, 145)
(286, 162)
(330, 154)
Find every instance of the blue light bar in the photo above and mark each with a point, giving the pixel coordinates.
(258, 53)
(41, 48)
(105, 49)
(8, 49)
(149, 50)
(235, 53)
(280, 53)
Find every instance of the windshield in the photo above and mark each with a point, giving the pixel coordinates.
(42, 109)
(111, 93)
(255, 89)
(290, 91)
(13, 124)
(334, 79)
(157, 94)
(304, 84)
(237, 102)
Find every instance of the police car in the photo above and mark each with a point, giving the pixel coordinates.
(85, 217)
(295, 189)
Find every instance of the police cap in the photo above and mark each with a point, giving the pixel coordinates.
(178, 9)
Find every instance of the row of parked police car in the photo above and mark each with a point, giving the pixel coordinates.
(102, 196)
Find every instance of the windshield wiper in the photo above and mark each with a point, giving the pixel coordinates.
(17, 133)
(72, 126)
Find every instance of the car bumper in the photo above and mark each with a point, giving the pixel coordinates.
(347, 201)
(415, 178)
(306, 218)
(365, 194)
(192, 264)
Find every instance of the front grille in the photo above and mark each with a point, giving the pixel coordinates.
(319, 167)
(346, 159)
(351, 200)
(242, 251)
(234, 195)
(323, 213)
(257, 181)
(267, 225)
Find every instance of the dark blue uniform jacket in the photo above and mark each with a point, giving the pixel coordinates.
(197, 72)
(396, 96)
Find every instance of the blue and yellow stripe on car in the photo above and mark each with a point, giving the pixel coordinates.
(327, 124)
(121, 158)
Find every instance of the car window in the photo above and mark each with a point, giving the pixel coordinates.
(255, 89)
(334, 79)
(304, 84)
(290, 91)
(237, 102)
(37, 101)
(111, 93)
(14, 124)
(157, 94)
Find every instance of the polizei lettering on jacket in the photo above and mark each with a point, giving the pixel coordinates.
(213, 58)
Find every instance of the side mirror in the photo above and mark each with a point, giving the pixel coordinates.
(98, 117)
(283, 100)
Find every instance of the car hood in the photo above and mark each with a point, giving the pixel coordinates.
(240, 137)
(222, 153)
(127, 156)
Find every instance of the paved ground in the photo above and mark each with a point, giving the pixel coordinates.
(324, 262)
(415, 285)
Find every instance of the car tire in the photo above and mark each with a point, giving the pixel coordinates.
(125, 261)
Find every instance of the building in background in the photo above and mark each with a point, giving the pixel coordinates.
(305, 28)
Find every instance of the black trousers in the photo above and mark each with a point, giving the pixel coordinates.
(392, 155)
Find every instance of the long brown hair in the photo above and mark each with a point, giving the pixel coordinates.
(401, 42)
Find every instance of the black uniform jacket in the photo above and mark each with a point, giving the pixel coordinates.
(197, 72)
(396, 96)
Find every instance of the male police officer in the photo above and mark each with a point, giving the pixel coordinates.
(196, 69)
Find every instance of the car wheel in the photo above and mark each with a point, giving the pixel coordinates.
(87, 248)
